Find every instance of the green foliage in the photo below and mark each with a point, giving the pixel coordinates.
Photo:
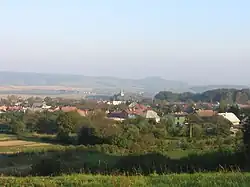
(64, 126)
(218, 179)
(246, 140)
(222, 107)
(228, 95)
(89, 136)
(197, 131)
(17, 127)
(46, 167)
(77, 121)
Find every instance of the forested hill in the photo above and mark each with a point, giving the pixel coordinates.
(229, 95)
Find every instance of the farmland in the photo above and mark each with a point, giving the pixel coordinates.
(13, 144)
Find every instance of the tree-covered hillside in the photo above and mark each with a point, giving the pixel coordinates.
(229, 95)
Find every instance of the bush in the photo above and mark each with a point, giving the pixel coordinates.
(63, 137)
(47, 167)
(89, 136)
(229, 140)
(143, 164)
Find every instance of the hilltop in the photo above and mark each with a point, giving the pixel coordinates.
(45, 81)
(97, 83)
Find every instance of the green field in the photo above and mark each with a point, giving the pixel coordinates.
(18, 155)
(6, 137)
(181, 180)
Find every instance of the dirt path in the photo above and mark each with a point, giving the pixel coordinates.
(14, 143)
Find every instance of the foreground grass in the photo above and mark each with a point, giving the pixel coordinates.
(198, 179)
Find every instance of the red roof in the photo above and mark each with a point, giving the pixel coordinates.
(68, 109)
(206, 113)
(82, 112)
(14, 108)
(138, 109)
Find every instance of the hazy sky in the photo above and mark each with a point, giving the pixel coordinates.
(198, 41)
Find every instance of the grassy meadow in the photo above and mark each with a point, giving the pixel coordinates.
(96, 166)
(173, 180)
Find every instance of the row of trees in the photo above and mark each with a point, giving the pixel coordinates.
(95, 129)
(217, 95)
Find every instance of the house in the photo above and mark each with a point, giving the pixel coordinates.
(117, 102)
(37, 105)
(246, 106)
(180, 118)
(206, 113)
(132, 105)
(73, 109)
(54, 109)
(137, 109)
(35, 109)
(14, 108)
(82, 112)
(118, 116)
(3, 108)
(150, 114)
(234, 121)
(231, 117)
(46, 107)
(68, 109)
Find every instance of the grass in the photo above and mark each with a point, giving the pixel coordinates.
(30, 148)
(75, 158)
(6, 137)
(174, 180)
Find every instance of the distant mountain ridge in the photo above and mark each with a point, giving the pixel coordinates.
(100, 83)
(149, 84)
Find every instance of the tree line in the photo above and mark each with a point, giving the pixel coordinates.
(135, 135)
(228, 95)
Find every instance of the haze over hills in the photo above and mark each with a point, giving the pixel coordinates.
(102, 84)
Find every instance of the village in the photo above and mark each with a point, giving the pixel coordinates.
(119, 108)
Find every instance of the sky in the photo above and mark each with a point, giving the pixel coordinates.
(199, 42)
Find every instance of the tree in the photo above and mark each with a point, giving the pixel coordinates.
(64, 126)
(190, 121)
(246, 139)
(178, 109)
(222, 107)
(17, 127)
(77, 121)
(197, 131)
(235, 109)
(89, 135)
(31, 120)
(48, 100)
(222, 126)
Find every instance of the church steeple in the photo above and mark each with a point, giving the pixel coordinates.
(122, 93)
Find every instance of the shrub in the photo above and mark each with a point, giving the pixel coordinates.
(46, 167)
(228, 141)
(89, 136)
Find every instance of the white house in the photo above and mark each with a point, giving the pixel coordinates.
(132, 105)
(44, 106)
(230, 117)
(150, 114)
(233, 119)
